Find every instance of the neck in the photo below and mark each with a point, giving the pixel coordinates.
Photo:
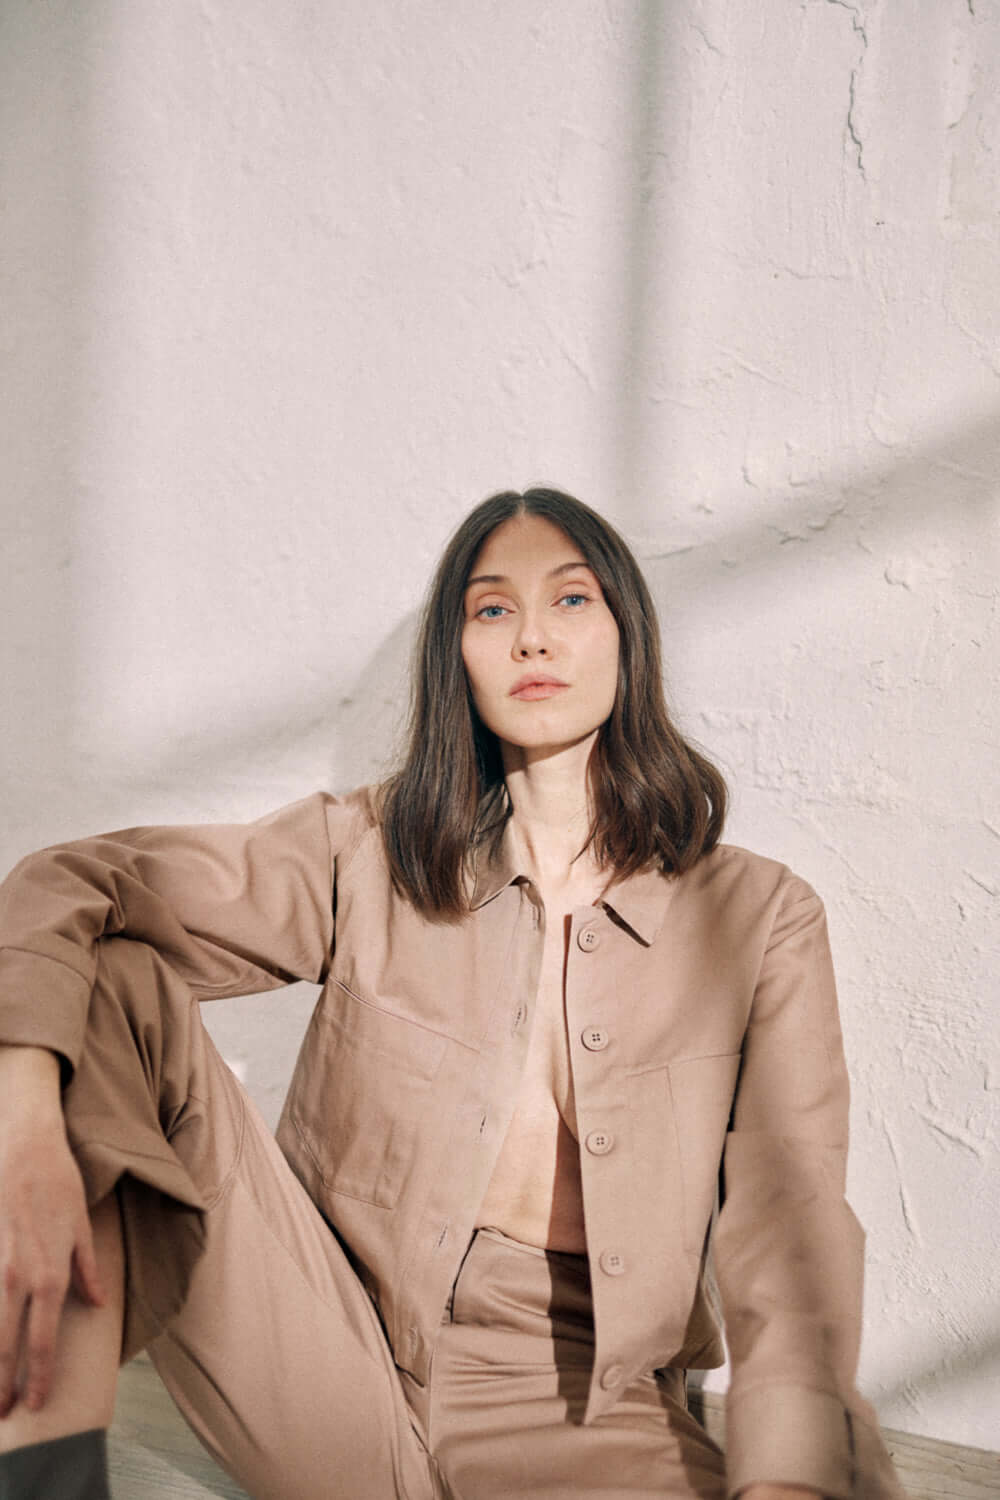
(551, 814)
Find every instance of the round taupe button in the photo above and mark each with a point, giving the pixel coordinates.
(611, 1377)
(594, 1038)
(588, 938)
(600, 1142)
(612, 1262)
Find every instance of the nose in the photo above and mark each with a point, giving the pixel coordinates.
(531, 639)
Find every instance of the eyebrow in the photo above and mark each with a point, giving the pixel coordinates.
(568, 567)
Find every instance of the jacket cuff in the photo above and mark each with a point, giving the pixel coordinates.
(43, 1003)
(789, 1434)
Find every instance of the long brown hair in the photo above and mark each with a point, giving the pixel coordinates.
(657, 802)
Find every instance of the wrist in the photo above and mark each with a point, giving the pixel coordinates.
(29, 1078)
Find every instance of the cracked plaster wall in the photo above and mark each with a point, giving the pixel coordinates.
(284, 294)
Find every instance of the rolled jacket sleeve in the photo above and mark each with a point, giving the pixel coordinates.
(788, 1250)
(234, 908)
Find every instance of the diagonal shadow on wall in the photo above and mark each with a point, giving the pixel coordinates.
(694, 581)
(46, 265)
(640, 243)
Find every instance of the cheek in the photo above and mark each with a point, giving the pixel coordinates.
(468, 653)
(611, 656)
(473, 663)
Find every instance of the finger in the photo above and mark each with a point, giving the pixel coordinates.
(87, 1281)
(42, 1330)
(12, 1303)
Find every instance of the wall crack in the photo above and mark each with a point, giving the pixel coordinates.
(954, 1133)
(906, 1207)
(853, 134)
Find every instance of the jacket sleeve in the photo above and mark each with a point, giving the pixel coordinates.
(788, 1250)
(235, 909)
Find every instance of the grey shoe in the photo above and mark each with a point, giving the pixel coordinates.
(68, 1468)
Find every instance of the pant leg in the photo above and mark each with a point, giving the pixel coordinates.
(503, 1414)
(251, 1311)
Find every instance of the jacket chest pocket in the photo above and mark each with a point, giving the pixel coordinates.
(362, 1094)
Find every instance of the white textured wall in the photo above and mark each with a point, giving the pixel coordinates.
(286, 289)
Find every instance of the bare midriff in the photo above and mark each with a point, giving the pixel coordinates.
(535, 1193)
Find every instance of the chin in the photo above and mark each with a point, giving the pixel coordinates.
(548, 742)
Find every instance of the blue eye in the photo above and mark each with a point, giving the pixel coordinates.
(491, 612)
(574, 599)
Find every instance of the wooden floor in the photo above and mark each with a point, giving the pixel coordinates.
(152, 1453)
(154, 1456)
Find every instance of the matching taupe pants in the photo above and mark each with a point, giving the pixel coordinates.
(266, 1338)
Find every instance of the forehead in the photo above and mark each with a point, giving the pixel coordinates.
(525, 544)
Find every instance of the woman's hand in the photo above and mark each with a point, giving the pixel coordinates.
(45, 1236)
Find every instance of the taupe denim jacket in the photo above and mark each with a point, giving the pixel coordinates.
(705, 1048)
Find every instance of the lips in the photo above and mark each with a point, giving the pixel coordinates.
(538, 685)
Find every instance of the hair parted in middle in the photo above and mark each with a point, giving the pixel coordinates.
(656, 801)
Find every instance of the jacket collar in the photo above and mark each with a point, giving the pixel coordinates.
(639, 902)
(491, 873)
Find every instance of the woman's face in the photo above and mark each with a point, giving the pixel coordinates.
(539, 643)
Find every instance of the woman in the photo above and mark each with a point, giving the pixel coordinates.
(554, 1007)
